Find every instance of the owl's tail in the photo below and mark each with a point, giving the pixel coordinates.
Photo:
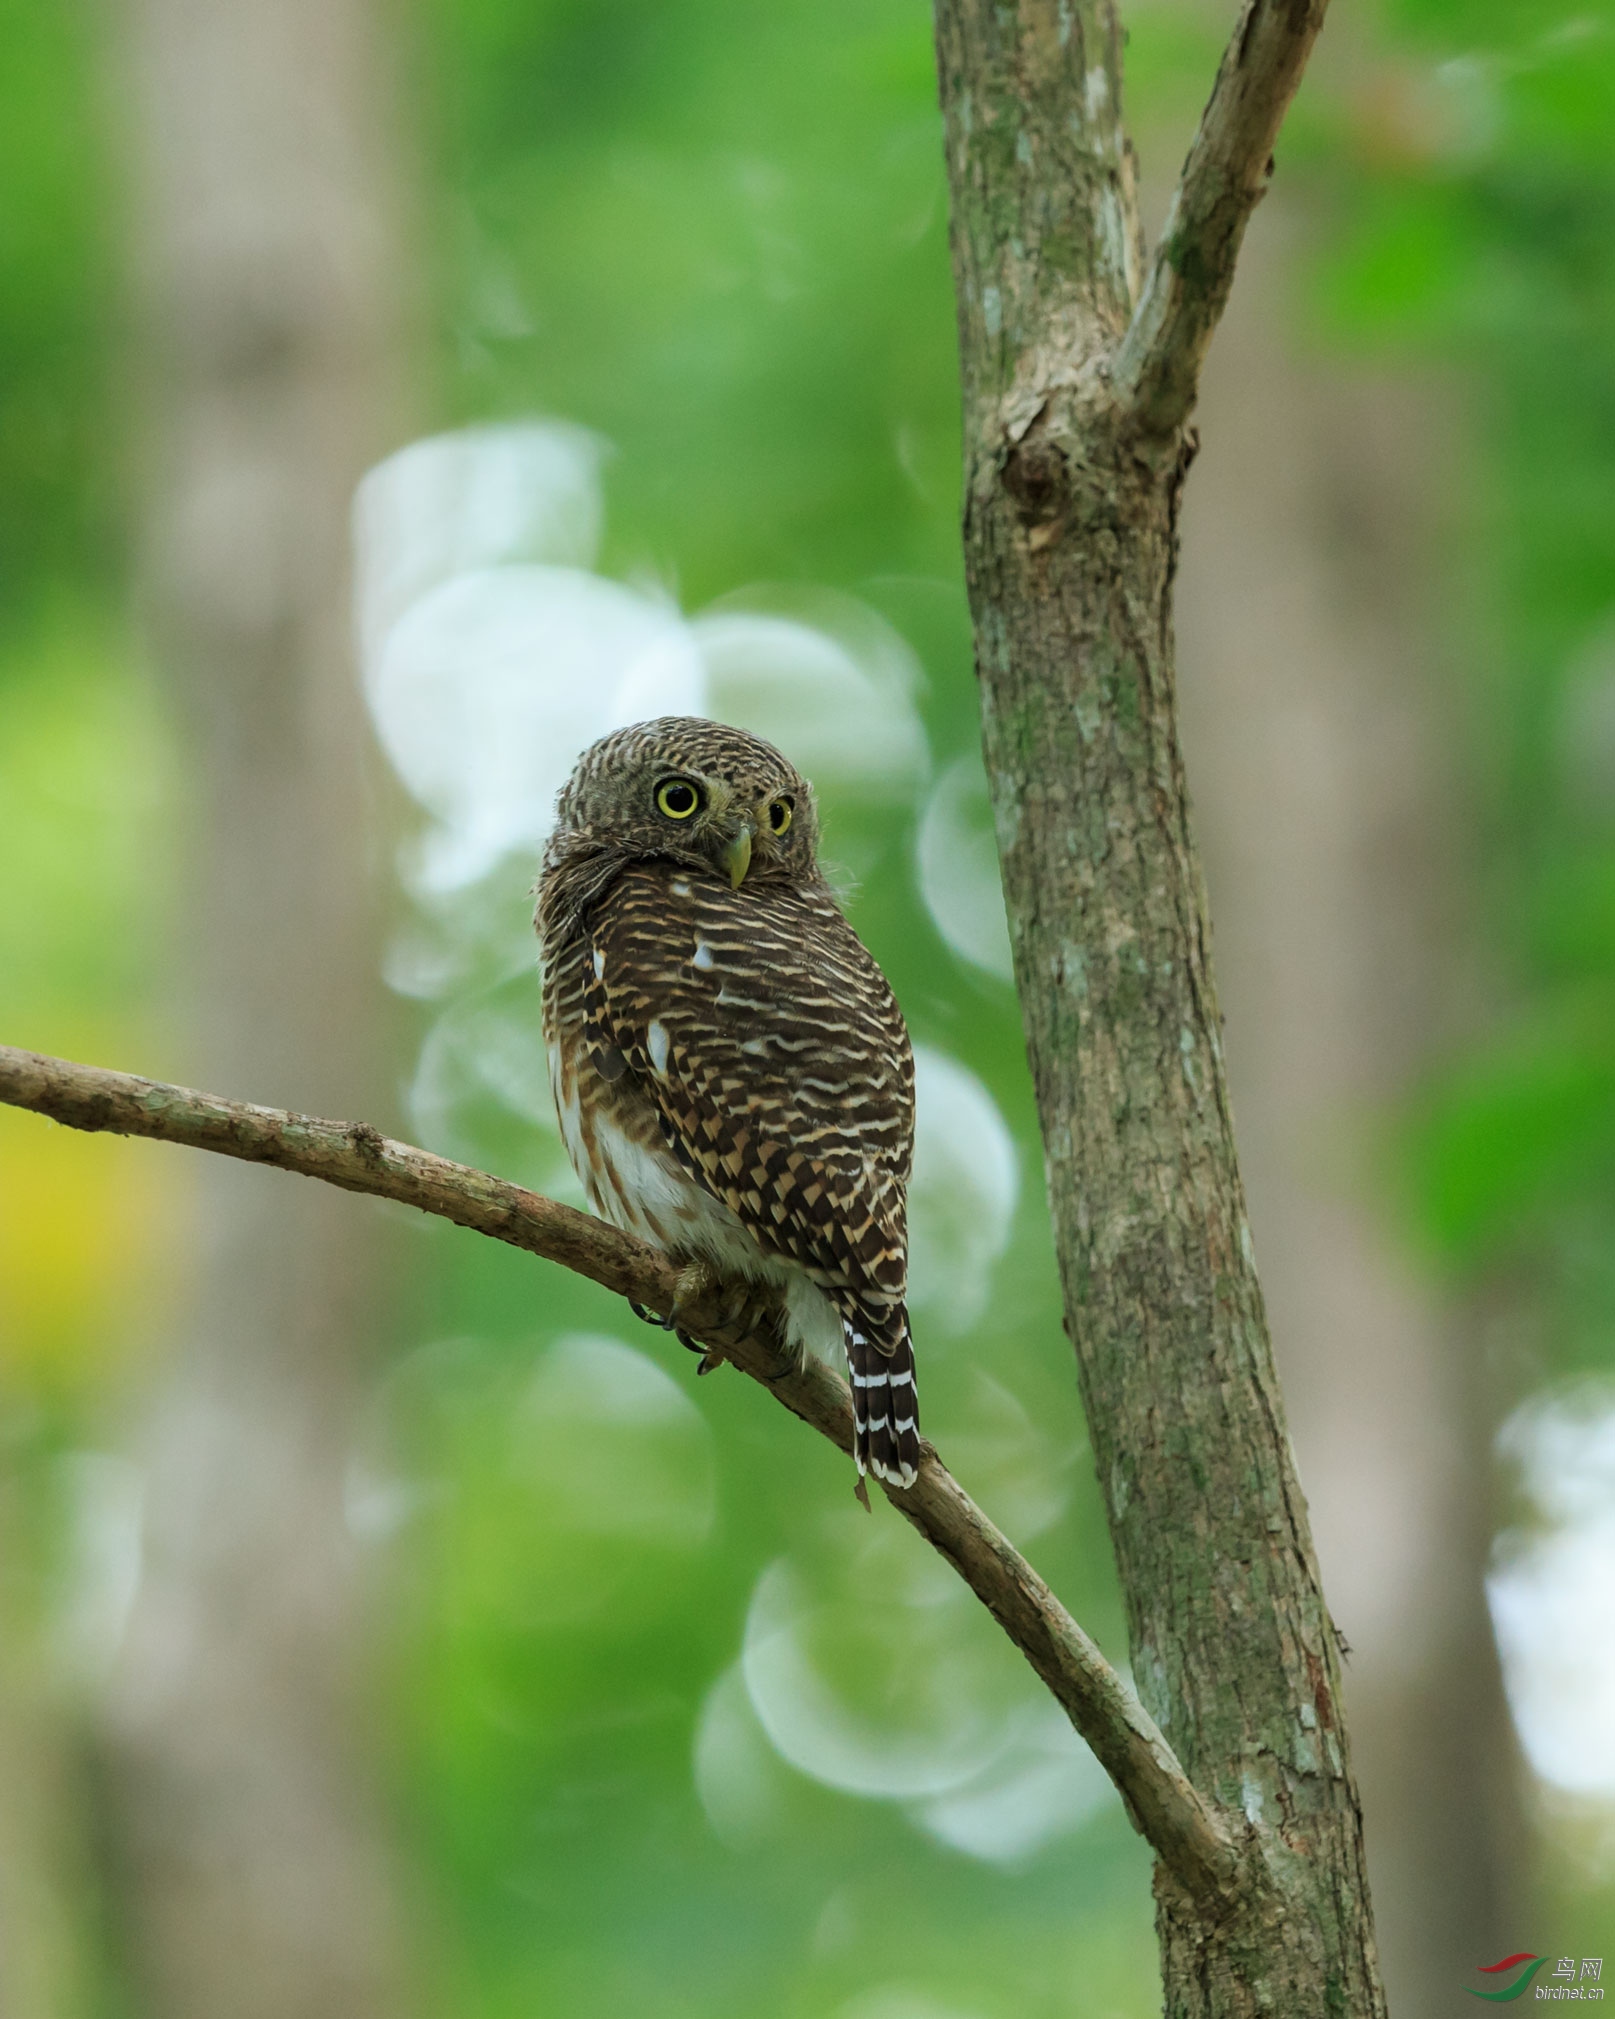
(880, 1359)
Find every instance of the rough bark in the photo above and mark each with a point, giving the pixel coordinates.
(1078, 378)
(245, 1838)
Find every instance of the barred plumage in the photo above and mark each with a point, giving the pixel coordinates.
(732, 1073)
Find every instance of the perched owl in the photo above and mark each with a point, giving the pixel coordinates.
(733, 1077)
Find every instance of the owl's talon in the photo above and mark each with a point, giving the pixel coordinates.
(709, 1361)
(650, 1317)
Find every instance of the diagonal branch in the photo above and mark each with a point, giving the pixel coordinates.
(1157, 368)
(1191, 1840)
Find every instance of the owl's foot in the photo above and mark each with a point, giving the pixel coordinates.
(724, 1311)
(670, 1324)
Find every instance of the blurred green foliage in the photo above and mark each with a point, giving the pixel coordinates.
(61, 435)
(1479, 233)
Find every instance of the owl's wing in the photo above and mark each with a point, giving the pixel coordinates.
(777, 1061)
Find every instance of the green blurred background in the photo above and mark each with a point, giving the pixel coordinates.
(640, 1714)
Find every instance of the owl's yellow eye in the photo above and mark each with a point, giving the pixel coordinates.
(678, 798)
(779, 816)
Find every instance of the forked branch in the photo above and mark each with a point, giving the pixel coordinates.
(1190, 1840)
(1230, 160)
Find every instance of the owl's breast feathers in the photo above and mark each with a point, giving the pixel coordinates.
(751, 1033)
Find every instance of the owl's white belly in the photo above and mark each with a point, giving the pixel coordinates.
(644, 1190)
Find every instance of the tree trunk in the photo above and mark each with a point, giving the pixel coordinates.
(244, 1830)
(1074, 465)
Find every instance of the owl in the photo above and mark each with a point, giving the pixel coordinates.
(732, 1074)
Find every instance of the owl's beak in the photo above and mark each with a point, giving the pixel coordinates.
(736, 857)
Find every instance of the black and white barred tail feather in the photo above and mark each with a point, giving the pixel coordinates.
(885, 1402)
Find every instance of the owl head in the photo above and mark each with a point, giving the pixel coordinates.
(685, 790)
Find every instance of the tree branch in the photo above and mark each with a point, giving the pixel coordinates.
(1190, 1839)
(1157, 367)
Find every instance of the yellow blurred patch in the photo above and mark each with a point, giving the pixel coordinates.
(87, 1223)
(86, 1237)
